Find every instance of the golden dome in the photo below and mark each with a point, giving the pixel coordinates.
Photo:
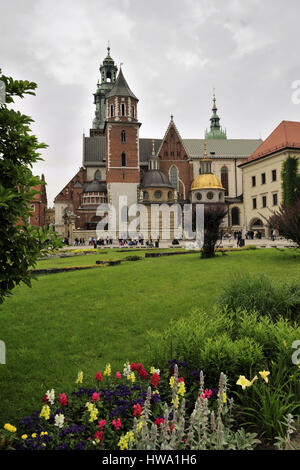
(206, 181)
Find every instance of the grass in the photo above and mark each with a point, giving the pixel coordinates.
(81, 320)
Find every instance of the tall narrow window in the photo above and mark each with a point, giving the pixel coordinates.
(97, 175)
(123, 136)
(174, 177)
(123, 159)
(111, 110)
(123, 109)
(235, 216)
(263, 178)
(133, 111)
(224, 179)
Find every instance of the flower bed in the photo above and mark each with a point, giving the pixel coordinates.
(135, 409)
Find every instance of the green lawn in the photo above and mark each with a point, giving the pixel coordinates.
(80, 320)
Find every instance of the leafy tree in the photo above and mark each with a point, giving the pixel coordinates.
(290, 181)
(287, 221)
(20, 243)
(213, 217)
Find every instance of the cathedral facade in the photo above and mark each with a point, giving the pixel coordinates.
(167, 169)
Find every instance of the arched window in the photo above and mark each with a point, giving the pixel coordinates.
(235, 216)
(97, 175)
(224, 179)
(123, 136)
(123, 159)
(123, 109)
(174, 177)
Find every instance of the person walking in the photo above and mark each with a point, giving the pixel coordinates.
(239, 237)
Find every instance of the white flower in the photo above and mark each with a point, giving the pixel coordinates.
(127, 370)
(154, 371)
(59, 420)
(51, 396)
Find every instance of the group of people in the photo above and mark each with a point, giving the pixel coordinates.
(79, 241)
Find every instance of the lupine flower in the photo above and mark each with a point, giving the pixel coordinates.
(59, 420)
(107, 370)
(79, 379)
(45, 413)
(10, 427)
(98, 376)
(243, 382)
(63, 399)
(264, 375)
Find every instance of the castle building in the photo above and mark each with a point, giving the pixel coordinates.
(167, 169)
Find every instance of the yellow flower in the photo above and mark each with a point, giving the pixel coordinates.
(253, 380)
(79, 379)
(10, 428)
(264, 375)
(24, 436)
(139, 425)
(44, 433)
(181, 388)
(45, 413)
(224, 397)
(107, 370)
(124, 440)
(34, 435)
(172, 380)
(131, 377)
(176, 401)
(243, 382)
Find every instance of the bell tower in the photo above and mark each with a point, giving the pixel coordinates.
(122, 146)
(108, 72)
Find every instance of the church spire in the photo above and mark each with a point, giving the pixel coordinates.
(216, 132)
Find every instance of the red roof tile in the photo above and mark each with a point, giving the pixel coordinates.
(286, 135)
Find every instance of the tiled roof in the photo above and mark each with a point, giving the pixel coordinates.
(286, 135)
(94, 148)
(121, 87)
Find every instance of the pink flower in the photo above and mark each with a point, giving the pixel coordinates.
(95, 397)
(116, 424)
(118, 375)
(101, 424)
(63, 399)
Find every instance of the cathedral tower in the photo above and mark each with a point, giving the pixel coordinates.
(122, 145)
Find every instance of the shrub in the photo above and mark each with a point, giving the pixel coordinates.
(132, 258)
(249, 292)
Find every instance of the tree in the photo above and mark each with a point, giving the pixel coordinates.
(20, 243)
(287, 221)
(290, 181)
(213, 216)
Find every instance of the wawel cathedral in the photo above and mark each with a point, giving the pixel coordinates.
(165, 169)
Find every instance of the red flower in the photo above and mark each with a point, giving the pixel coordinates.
(139, 366)
(155, 380)
(95, 397)
(99, 435)
(142, 373)
(99, 377)
(159, 421)
(63, 399)
(101, 424)
(132, 366)
(45, 399)
(181, 379)
(137, 409)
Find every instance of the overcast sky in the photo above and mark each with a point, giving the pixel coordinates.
(174, 52)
